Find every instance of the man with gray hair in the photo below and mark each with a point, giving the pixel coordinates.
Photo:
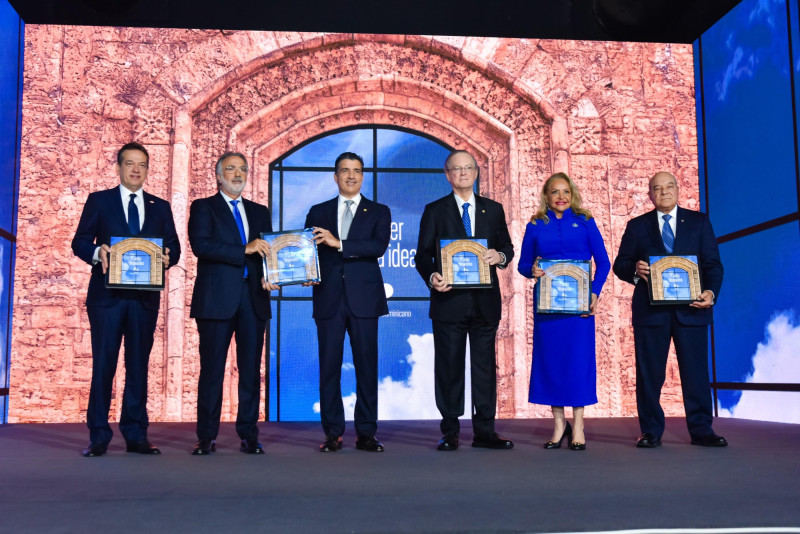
(230, 296)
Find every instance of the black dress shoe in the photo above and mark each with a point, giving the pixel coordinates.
(711, 440)
(141, 447)
(332, 444)
(449, 442)
(648, 441)
(94, 449)
(369, 443)
(251, 446)
(493, 442)
(557, 444)
(204, 447)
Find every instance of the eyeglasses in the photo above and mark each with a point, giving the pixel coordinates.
(458, 170)
(232, 168)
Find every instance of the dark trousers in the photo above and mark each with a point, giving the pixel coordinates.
(215, 338)
(131, 320)
(450, 347)
(363, 334)
(691, 348)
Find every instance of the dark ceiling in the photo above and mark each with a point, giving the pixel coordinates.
(680, 21)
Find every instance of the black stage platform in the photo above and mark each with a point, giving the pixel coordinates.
(46, 486)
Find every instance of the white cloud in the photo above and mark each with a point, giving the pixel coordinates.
(412, 398)
(775, 361)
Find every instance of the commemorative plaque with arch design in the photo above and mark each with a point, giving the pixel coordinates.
(566, 287)
(136, 263)
(293, 257)
(462, 264)
(674, 279)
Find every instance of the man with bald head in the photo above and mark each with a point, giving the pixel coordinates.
(665, 230)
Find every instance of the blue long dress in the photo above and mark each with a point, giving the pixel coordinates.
(564, 371)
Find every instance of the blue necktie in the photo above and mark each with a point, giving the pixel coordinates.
(465, 219)
(667, 235)
(240, 225)
(133, 216)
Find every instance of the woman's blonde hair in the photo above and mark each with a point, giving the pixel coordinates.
(575, 204)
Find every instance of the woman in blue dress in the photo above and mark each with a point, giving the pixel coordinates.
(563, 372)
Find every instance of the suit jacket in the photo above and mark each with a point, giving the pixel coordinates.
(103, 217)
(693, 236)
(354, 273)
(441, 220)
(215, 240)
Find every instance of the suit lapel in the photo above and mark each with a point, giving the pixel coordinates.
(115, 198)
(225, 213)
(332, 214)
(680, 229)
(652, 231)
(454, 217)
(480, 217)
(148, 213)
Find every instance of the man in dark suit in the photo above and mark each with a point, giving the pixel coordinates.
(665, 230)
(123, 211)
(230, 296)
(457, 313)
(351, 232)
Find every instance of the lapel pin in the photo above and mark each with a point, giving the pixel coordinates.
(365, 209)
(152, 202)
(483, 211)
(574, 225)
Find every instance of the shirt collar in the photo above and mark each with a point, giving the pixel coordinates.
(229, 199)
(673, 213)
(356, 199)
(460, 202)
(126, 193)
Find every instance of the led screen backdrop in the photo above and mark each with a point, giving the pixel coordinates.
(609, 114)
(749, 113)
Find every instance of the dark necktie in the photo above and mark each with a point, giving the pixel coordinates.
(667, 235)
(240, 225)
(347, 218)
(465, 219)
(133, 216)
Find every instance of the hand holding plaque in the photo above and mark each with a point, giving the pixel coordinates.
(565, 287)
(136, 263)
(293, 258)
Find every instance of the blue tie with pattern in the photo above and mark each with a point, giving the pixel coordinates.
(133, 216)
(240, 224)
(667, 235)
(465, 219)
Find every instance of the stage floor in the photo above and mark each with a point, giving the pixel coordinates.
(46, 486)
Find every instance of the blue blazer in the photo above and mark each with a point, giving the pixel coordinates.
(694, 235)
(215, 240)
(354, 272)
(441, 220)
(103, 217)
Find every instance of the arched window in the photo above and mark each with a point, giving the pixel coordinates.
(402, 169)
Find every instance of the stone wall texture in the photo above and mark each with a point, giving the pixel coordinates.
(609, 114)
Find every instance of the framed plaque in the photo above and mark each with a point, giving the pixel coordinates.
(461, 263)
(566, 287)
(136, 263)
(293, 257)
(674, 279)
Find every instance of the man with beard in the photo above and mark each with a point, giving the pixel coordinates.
(230, 296)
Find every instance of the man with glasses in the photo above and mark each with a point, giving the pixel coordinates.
(460, 313)
(352, 233)
(123, 211)
(671, 229)
(230, 296)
